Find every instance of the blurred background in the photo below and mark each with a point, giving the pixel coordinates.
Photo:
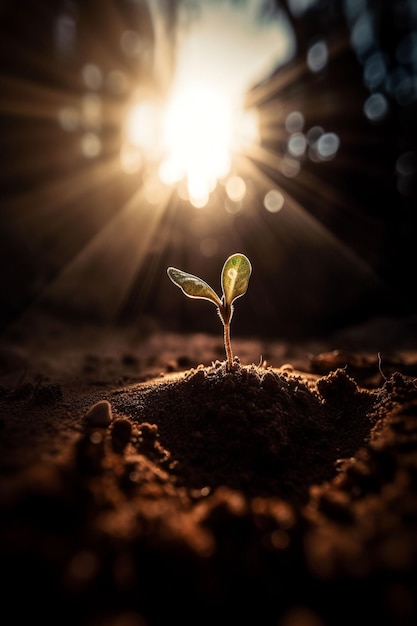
(139, 134)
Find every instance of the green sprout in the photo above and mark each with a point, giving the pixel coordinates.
(234, 280)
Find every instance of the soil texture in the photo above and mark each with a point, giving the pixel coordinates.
(143, 487)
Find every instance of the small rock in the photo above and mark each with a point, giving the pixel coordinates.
(99, 414)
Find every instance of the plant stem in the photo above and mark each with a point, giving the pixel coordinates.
(227, 345)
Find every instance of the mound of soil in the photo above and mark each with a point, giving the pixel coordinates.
(264, 432)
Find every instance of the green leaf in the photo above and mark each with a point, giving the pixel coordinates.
(193, 286)
(235, 277)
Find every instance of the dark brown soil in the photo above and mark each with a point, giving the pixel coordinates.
(142, 488)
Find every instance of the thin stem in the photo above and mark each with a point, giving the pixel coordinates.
(227, 345)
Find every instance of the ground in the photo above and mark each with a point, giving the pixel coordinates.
(142, 483)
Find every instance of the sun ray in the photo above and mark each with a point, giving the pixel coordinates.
(62, 197)
(308, 225)
(103, 271)
(30, 100)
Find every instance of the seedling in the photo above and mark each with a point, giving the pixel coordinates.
(234, 280)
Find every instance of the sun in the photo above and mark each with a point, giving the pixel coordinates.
(194, 137)
(195, 134)
(198, 131)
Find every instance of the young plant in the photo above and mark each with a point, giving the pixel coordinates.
(234, 281)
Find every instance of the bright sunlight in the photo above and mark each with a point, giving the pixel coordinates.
(198, 132)
(194, 137)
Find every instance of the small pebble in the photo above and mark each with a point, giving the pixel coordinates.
(99, 414)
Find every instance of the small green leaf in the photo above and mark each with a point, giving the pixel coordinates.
(193, 286)
(235, 277)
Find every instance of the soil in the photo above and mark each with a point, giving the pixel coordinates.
(142, 483)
